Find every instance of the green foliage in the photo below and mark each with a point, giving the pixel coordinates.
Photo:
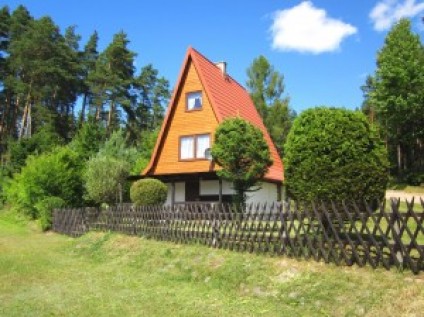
(145, 149)
(57, 173)
(395, 94)
(104, 179)
(45, 207)
(41, 87)
(43, 141)
(88, 139)
(148, 192)
(335, 154)
(266, 87)
(151, 94)
(242, 152)
(140, 164)
(111, 79)
(116, 146)
(106, 173)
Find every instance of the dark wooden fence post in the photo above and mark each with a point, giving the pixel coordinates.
(215, 225)
(397, 238)
(134, 220)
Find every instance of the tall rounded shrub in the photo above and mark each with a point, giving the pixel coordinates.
(52, 174)
(335, 154)
(148, 192)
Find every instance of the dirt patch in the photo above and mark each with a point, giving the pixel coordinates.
(403, 195)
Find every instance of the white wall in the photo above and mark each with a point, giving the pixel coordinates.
(179, 192)
(211, 187)
(267, 194)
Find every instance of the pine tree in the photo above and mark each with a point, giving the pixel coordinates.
(266, 87)
(45, 71)
(112, 79)
(89, 57)
(150, 96)
(398, 98)
(4, 43)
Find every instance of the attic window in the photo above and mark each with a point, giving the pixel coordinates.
(194, 100)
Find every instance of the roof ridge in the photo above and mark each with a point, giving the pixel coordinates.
(214, 64)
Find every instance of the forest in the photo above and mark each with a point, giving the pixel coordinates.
(64, 103)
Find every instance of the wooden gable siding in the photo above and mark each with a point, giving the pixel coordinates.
(182, 123)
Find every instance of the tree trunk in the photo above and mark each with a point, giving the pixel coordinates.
(110, 116)
(23, 121)
(13, 121)
(82, 114)
(28, 130)
(25, 114)
(399, 159)
(3, 120)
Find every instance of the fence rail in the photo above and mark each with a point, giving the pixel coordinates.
(344, 234)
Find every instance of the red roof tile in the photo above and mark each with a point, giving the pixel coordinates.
(228, 99)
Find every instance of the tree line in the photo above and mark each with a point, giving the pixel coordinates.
(47, 78)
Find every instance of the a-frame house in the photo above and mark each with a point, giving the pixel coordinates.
(203, 97)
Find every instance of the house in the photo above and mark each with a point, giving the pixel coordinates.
(203, 97)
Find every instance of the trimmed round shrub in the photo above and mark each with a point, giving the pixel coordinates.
(148, 192)
(334, 155)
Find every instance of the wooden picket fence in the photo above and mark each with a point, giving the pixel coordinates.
(345, 234)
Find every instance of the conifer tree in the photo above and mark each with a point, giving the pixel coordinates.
(112, 79)
(88, 60)
(397, 95)
(266, 86)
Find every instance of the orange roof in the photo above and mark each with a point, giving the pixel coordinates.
(228, 99)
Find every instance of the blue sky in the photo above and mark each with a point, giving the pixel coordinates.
(324, 48)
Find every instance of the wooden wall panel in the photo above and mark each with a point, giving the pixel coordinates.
(185, 122)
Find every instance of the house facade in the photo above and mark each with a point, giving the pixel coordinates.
(203, 97)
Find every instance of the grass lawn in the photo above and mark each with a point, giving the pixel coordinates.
(103, 274)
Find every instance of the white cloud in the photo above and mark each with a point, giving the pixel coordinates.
(387, 12)
(308, 29)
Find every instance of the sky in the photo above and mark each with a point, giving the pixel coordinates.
(324, 48)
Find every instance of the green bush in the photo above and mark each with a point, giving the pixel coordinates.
(148, 192)
(45, 140)
(104, 179)
(45, 208)
(335, 154)
(58, 174)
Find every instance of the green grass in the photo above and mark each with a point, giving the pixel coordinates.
(104, 274)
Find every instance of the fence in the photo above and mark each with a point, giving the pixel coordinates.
(387, 235)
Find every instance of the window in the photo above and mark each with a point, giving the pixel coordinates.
(194, 146)
(202, 143)
(187, 147)
(194, 101)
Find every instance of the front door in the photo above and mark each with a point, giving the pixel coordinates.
(192, 190)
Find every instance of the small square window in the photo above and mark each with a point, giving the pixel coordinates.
(194, 100)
